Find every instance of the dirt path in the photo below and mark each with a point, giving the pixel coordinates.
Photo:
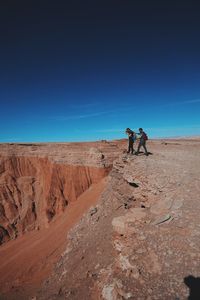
(25, 262)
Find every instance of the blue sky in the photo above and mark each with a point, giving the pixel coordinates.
(80, 71)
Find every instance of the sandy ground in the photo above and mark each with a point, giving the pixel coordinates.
(142, 242)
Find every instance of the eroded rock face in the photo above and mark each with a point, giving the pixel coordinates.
(33, 190)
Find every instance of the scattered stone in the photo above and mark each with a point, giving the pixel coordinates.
(97, 266)
(119, 225)
(127, 205)
(109, 292)
(133, 184)
(145, 204)
(114, 291)
(141, 237)
(177, 204)
(125, 265)
(93, 211)
(122, 224)
(129, 178)
(118, 245)
(163, 219)
(132, 198)
(161, 206)
(63, 273)
(140, 251)
(94, 275)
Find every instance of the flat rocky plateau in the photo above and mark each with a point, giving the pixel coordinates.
(88, 221)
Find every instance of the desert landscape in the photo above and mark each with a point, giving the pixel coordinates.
(89, 221)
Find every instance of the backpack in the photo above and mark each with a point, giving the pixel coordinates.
(134, 138)
(145, 136)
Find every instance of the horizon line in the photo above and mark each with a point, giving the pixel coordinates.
(92, 141)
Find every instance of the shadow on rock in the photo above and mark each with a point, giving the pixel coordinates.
(193, 283)
(133, 184)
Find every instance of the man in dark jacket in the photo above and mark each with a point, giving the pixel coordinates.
(143, 139)
(131, 138)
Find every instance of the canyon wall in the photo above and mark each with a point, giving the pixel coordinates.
(33, 190)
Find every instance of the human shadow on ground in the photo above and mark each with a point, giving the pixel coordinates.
(193, 283)
(141, 152)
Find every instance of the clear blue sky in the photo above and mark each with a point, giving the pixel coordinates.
(86, 70)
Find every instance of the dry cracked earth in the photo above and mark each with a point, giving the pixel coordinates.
(89, 221)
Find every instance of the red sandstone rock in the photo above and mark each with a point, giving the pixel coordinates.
(34, 190)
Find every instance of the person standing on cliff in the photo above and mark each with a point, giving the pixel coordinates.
(142, 142)
(131, 138)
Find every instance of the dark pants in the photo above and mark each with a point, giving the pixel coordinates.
(142, 143)
(130, 146)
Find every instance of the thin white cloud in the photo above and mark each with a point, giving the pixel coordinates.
(77, 117)
(192, 101)
(94, 114)
(159, 129)
(113, 112)
(113, 130)
(86, 105)
(8, 140)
